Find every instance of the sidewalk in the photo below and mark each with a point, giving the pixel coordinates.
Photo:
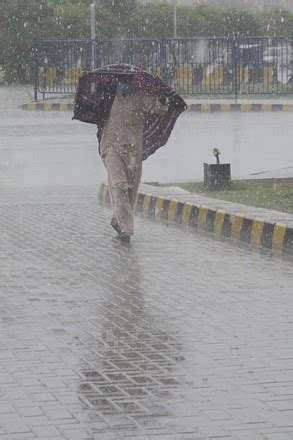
(178, 337)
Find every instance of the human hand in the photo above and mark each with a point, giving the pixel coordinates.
(162, 99)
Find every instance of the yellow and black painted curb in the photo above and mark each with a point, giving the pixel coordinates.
(241, 107)
(212, 108)
(47, 105)
(256, 232)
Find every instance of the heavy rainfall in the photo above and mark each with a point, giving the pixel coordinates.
(146, 197)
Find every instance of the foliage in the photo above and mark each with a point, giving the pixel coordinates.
(277, 22)
(152, 20)
(20, 24)
(240, 22)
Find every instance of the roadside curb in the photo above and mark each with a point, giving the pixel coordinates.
(203, 107)
(254, 231)
(226, 107)
(47, 105)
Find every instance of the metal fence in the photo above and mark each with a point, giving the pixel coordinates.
(193, 66)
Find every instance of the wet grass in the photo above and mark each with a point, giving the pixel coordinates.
(276, 196)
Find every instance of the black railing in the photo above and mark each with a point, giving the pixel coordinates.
(193, 66)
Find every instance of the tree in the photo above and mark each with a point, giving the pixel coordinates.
(277, 22)
(152, 20)
(240, 22)
(20, 24)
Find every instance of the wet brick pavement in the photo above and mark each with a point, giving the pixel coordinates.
(176, 337)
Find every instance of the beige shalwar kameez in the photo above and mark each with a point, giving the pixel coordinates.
(121, 151)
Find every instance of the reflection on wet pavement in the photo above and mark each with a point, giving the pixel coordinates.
(135, 366)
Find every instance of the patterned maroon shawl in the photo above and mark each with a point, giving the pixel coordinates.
(95, 95)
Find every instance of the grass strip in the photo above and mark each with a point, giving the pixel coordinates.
(277, 196)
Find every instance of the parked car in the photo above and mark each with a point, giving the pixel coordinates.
(281, 59)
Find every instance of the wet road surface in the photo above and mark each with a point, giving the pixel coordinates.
(251, 142)
(176, 337)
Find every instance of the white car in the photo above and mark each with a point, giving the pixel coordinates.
(281, 57)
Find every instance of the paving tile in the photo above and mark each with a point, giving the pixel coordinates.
(178, 337)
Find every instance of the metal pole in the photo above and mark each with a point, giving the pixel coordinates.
(235, 52)
(175, 18)
(35, 72)
(93, 34)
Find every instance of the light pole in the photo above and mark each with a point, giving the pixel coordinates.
(175, 18)
(93, 34)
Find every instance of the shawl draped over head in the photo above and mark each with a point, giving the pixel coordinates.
(96, 92)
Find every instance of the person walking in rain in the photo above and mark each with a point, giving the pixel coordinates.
(135, 113)
(121, 150)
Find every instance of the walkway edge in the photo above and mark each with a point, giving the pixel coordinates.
(254, 231)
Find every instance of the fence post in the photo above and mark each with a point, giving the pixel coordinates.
(163, 59)
(98, 53)
(35, 71)
(236, 63)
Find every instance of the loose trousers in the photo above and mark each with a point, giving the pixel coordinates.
(124, 174)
